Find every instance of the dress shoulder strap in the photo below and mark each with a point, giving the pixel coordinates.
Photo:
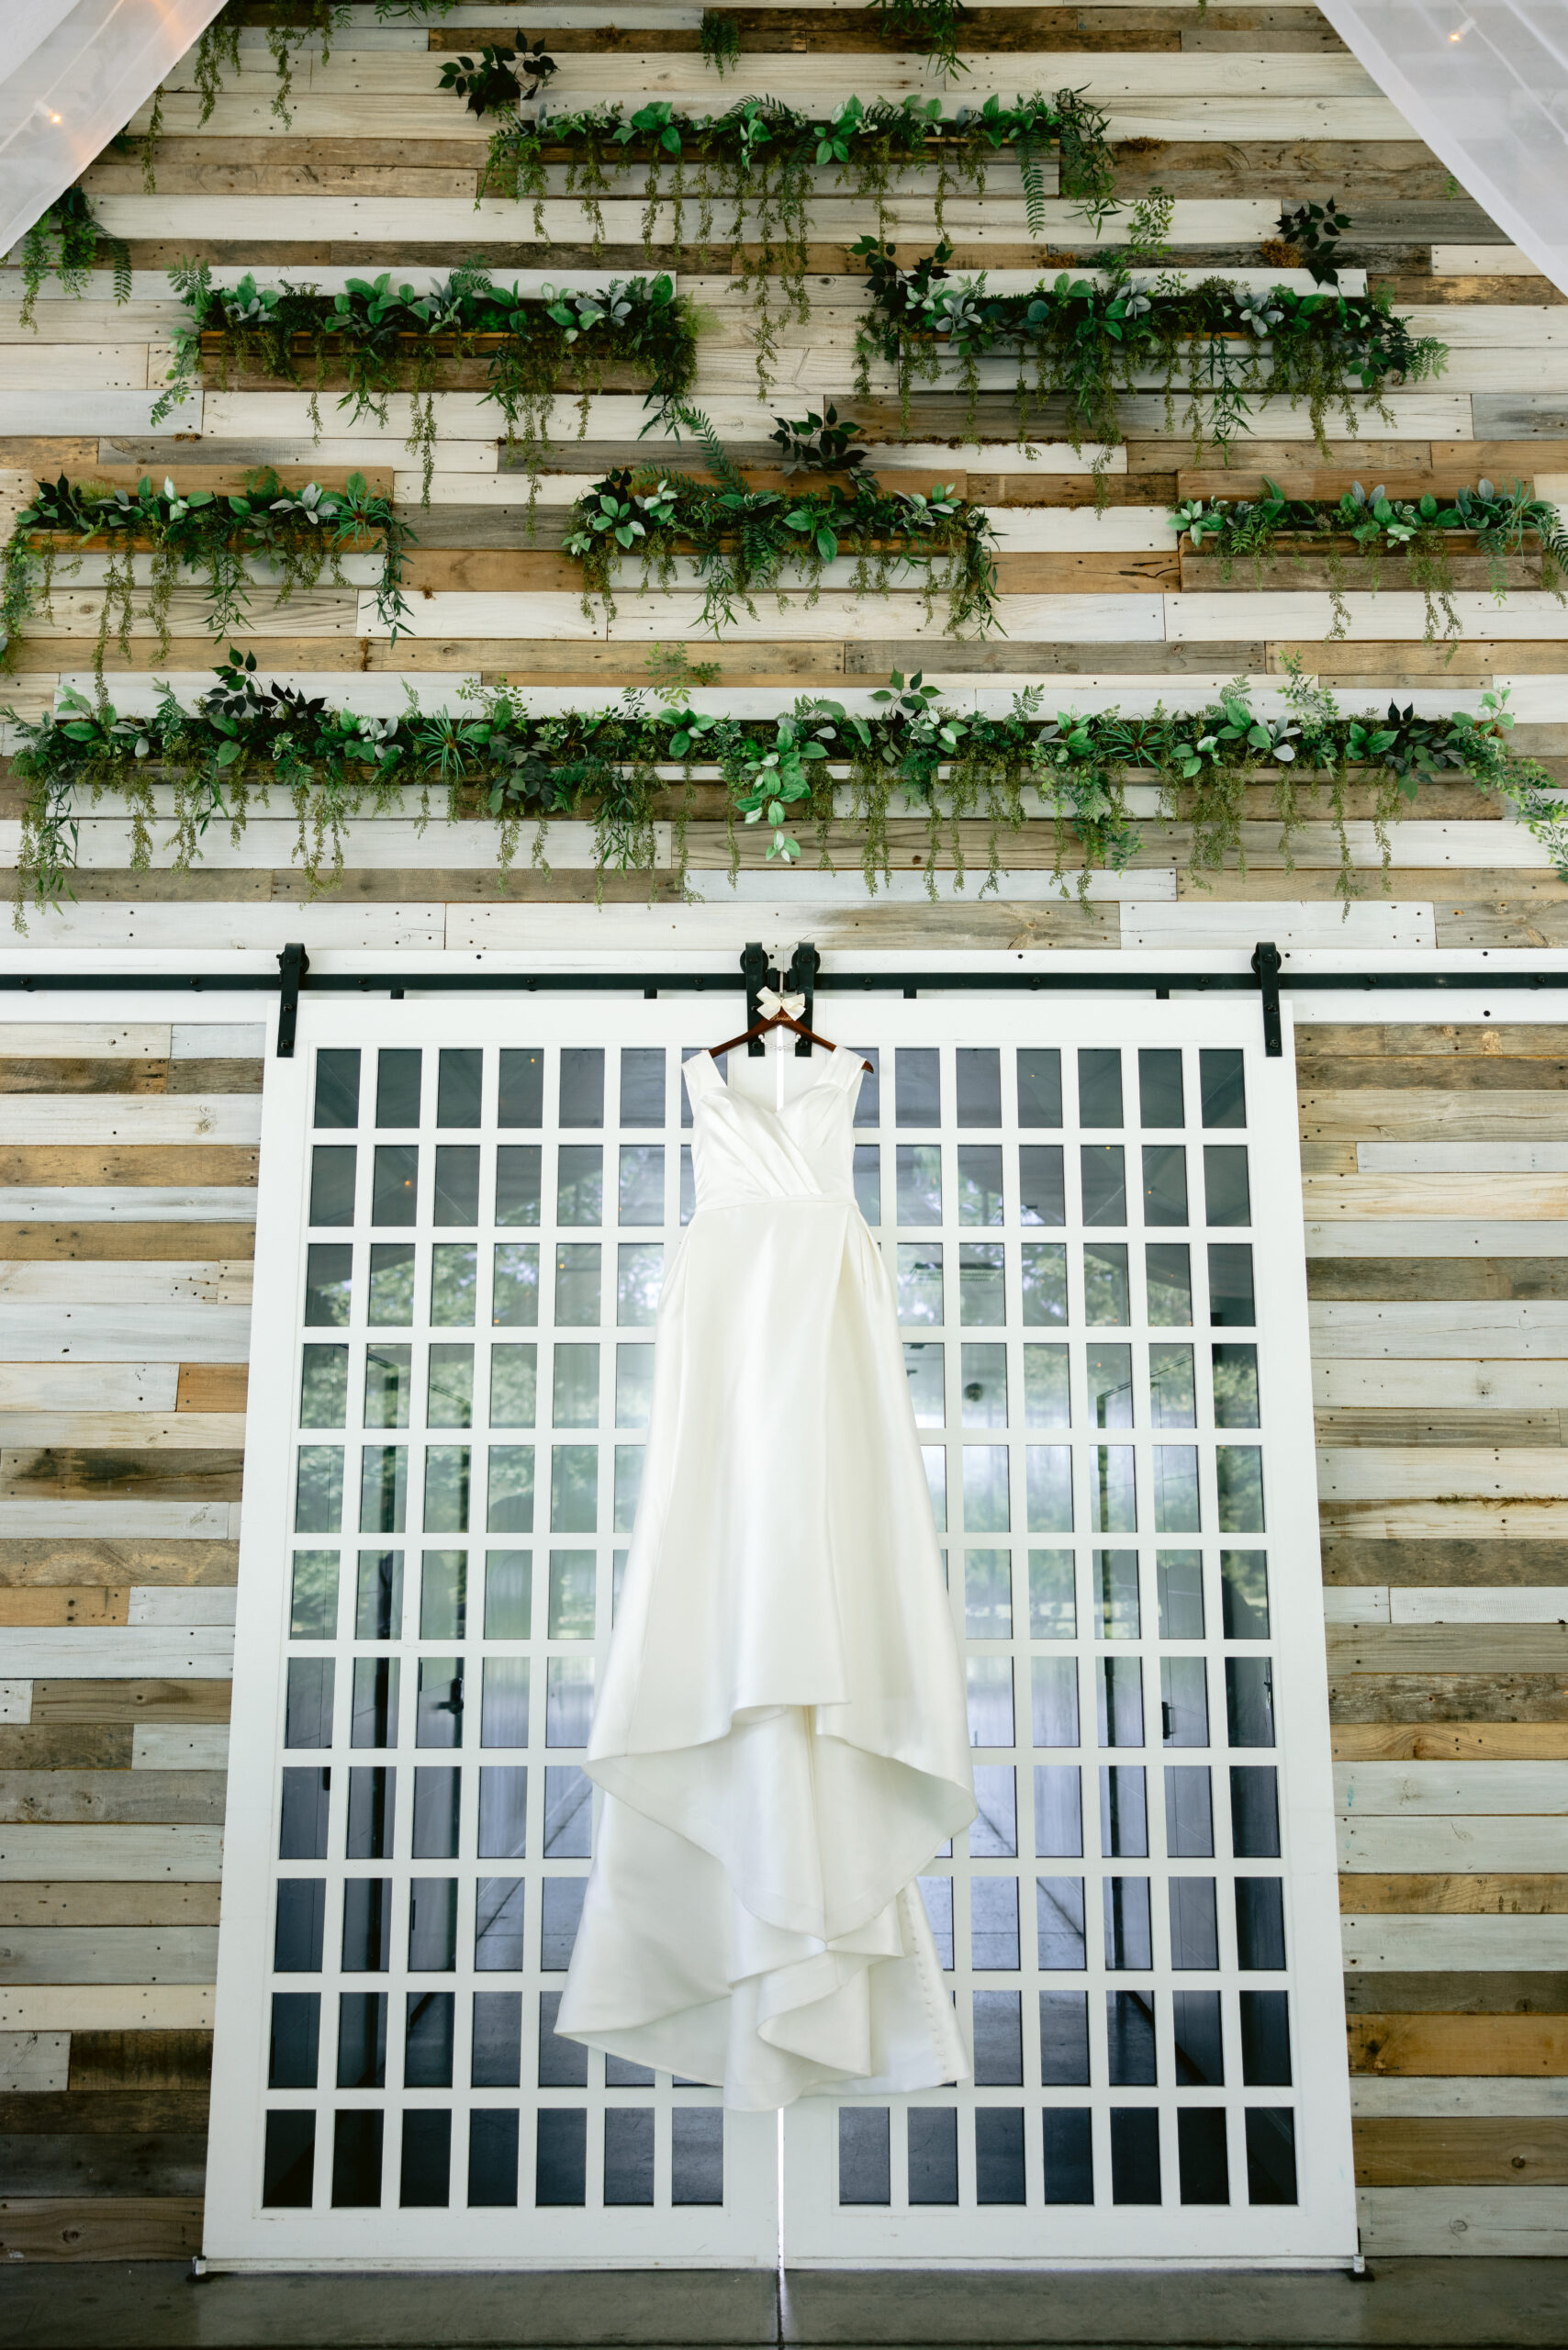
(701, 1073)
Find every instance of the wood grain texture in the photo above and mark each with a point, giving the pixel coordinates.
(1417, 1565)
(108, 2061)
(131, 1904)
(1458, 1741)
(89, 1559)
(132, 1243)
(165, 1799)
(1430, 2153)
(1458, 2045)
(163, 1164)
(66, 1473)
(1496, 1695)
(212, 1386)
(1522, 1895)
(44, 2227)
(132, 1700)
(90, 1954)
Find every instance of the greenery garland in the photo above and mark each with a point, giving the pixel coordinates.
(1089, 340)
(289, 536)
(1421, 531)
(63, 242)
(493, 757)
(743, 542)
(761, 159)
(383, 338)
(930, 24)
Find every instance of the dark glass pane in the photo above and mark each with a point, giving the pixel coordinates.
(294, 2058)
(427, 2160)
(980, 1184)
(642, 1085)
(994, 1924)
(372, 1812)
(1159, 1094)
(1129, 2040)
(1236, 1386)
(1059, 1924)
(522, 1099)
(868, 1101)
(436, 1814)
(458, 1086)
(518, 1182)
(563, 2064)
(331, 1183)
(1183, 1701)
(318, 1489)
(628, 2153)
(456, 1199)
(1169, 1270)
(383, 1488)
(1100, 1086)
(1244, 1588)
(1039, 1086)
(432, 1925)
(1200, 2044)
(503, 1706)
(308, 1706)
(375, 1681)
(503, 1812)
(1250, 1700)
(1124, 1812)
(979, 1070)
(619, 2074)
(579, 1183)
(932, 2154)
(561, 2176)
(1129, 1933)
(1103, 1168)
(367, 1925)
(451, 1405)
(1231, 1305)
(1070, 2153)
(1058, 1810)
(328, 1271)
(1194, 1927)
(289, 2162)
(917, 1085)
(1189, 1812)
(391, 1282)
(337, 1086)
(697, 2155)
(1042, 1196)
(492, 2158)
(1107, 1301)
(1228, 1197)
(302, 1835)
(1254, 1812)
(1260, 1925)
(438, 1715)
(323, 1394)
(568, 1813)
(499, 1913)
(999, 2154)
(561, 1902)
(1164, 1182)
(998, 2038)
(1239, 1488)
(582, 1092)
(362, 2040)
(1201, 2154)
(396, 1087)
(1119, 1694)
(1135, 2154)
(1064, 2040)
(865, 2155)
(1270, 2155)
(1054, 1700)
(498, 2040)
(1178, 1578)
(426, 2048)
(1223, 1085)
(1266, 2039)
(356, 2150)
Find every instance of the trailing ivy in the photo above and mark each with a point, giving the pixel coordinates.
(760, 162)
(931, 26)
(1092, 340)
(63, 242)
(615, 768)
(286, 538)
(383, 338)
(719, 39)
(743, 542)
(1422, 532)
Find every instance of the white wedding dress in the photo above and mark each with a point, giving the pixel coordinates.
(782, 1733)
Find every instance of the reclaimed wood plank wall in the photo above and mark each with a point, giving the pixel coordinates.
(1434, 1163)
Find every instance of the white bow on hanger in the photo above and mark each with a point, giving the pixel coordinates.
(772, 1003)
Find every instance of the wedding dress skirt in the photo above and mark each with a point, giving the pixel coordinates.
(781, 1734)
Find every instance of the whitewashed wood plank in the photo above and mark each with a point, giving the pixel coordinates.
(1197, 921)
(56, 1390)
(1430, 1473)
(1358, 1604)
(203, 927)
(768, 885)
(96, 1040)
(1434, 1237)
(1529, 615)
(136, 1203)
(1391, 2097)
(178, 1605)
(110, 1522)
(1478, 1844)
(122, 2007)
(42, 410)
(1451, 1788)
(1518, 1198)
(1454, 1518)
(117, 1430)
(165, 1746)
(116, 1282)
(1445, 1944)
(387, 844)
(1481, 1604)
(1443, 1385)
(1454, 1329)
(217, 1040)
(1469, 328)
(35, 2062)
(1482, 261)
(1411, 1118)
(133, 1118)
(16, 1701)
(73, 613)
(558, 617)
(72, 366)
(108, 1955)
(1479, 2221)
(123, 1334)
(1437, 1158)
(110, 1855)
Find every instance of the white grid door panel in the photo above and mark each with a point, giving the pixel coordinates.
(1096, 1225)
(463, 1229)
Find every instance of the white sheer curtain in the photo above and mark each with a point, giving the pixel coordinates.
(72, 73)
(1486, 86)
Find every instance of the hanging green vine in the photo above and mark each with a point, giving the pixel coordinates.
(379, 338)
(1090, 340)
(742, 542)
(1422, 532)
(930, 25)
(616, 768)
(64, 243)
(719, 39)
(761, 162)
(287, 539)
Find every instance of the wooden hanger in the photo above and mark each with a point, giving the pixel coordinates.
(778, 1019)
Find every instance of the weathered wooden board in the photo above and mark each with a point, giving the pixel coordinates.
(1424, 1845)
(1443, 1944)
(1480, 2222)
(118, 2227)
(1458, 2045)
(30, 1854)
(108, 1955)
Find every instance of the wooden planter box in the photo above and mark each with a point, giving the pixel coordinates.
(1298, 564)
(468, 372)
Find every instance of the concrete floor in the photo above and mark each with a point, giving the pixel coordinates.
(1406, 2305)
